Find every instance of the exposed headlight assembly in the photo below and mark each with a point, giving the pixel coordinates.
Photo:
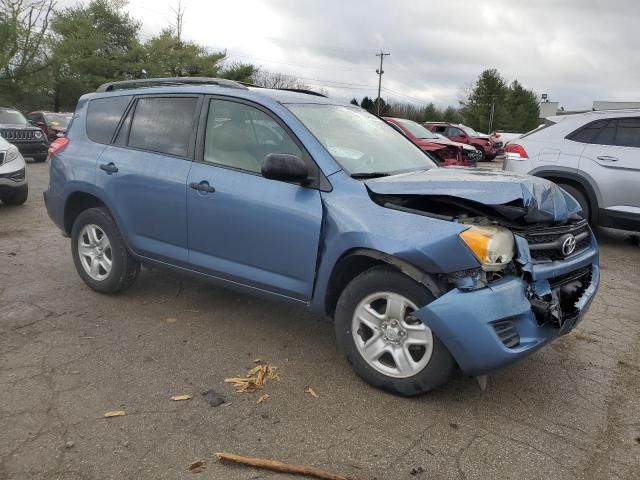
(493, 246)
(12, 154)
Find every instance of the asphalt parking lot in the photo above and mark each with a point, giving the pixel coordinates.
(68, 355)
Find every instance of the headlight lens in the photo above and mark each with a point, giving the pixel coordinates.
(38, 134)
(11, 154)
(492, 246)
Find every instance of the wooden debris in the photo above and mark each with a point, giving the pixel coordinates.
(179, 398)
(255, 379)
(197, 467)
(263, 398)
(114, 413)
(311, 391)
(276, 466)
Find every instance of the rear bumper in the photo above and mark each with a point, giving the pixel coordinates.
(469, 322)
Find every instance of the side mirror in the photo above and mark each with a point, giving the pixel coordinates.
(285, 167)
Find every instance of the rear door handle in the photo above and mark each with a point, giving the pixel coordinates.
(109, 167)
(202, 187)
(607, 158)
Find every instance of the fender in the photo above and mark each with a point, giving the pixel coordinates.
(76, 186)
(585, 181)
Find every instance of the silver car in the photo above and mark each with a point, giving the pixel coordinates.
(13, 175)
(595, 156)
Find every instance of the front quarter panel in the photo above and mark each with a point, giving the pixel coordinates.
(354, 221)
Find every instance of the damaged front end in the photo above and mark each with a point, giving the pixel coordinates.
(525, 293)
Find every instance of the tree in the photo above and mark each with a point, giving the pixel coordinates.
(93, 44)
(431, 113)
(24, 27)
(354, 101)
(490, 89)
(523, 108)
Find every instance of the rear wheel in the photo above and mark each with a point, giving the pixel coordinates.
(580, 198)
(384, 342)
(18, 197)
(100, 254)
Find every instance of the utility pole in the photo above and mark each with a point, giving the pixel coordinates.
(493, 106)
(380, 72)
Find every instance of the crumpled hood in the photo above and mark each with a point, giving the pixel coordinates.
(514, 196)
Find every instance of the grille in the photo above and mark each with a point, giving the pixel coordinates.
(507, 333)
(546, 244)
(1, 158)
(17, 134)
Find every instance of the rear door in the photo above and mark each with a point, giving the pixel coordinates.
(144, 174)
(243, 227)
(612, 159)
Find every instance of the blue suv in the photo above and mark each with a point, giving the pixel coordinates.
(300, 198)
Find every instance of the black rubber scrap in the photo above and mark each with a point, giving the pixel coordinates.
(213, 399)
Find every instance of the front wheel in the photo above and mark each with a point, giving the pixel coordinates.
(384, 342)
(100, 254)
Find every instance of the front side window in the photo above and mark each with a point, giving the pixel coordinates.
(455, 132)
(241, 136)
(360, 142)
(628, 132)
(164, 125)
(58, 119)
(103, 116)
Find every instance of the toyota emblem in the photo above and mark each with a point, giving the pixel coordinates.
(568, 245)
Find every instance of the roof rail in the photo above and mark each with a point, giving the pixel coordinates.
(168, 82)
(297, 90)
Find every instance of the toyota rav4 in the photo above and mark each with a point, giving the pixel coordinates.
(300, 198)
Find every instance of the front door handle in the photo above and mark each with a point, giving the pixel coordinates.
(607, 158)
(202, 187)
(109, 167)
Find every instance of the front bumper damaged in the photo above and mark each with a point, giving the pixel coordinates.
(498, 325)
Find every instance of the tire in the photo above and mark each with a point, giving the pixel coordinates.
(123, 268)
(419, 377)
(483, 156)
(580, 198)
(18, 197)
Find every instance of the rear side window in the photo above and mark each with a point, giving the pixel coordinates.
(587, 133)
(164, 125)
(103, 116)
(628, 133)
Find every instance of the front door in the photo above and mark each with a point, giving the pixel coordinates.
(243, 227)
(144, 174)
(612, 158)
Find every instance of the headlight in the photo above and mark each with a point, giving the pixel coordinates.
(38, 134)
(492, 246)
(11, 154)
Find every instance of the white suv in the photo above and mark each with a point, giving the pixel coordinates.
(13, 175)
(595, 156)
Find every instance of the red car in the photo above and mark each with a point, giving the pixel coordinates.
(54, 125)
(447, 152)
(461, 133)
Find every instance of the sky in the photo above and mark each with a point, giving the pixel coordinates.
(576, 51)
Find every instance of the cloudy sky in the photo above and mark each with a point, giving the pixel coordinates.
(577, 51)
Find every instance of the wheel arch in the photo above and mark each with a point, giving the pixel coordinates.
(577, 180)
(355, 261)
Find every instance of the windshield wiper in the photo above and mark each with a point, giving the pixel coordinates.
(370, 174)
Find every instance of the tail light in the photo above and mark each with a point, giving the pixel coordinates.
(515, 151)
(57, 145)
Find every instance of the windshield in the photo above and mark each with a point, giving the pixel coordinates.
(360, 142)
(417, 130)
(470, 131)
(12, 117)
(58, 119)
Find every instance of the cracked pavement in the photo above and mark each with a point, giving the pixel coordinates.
(67, 355)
